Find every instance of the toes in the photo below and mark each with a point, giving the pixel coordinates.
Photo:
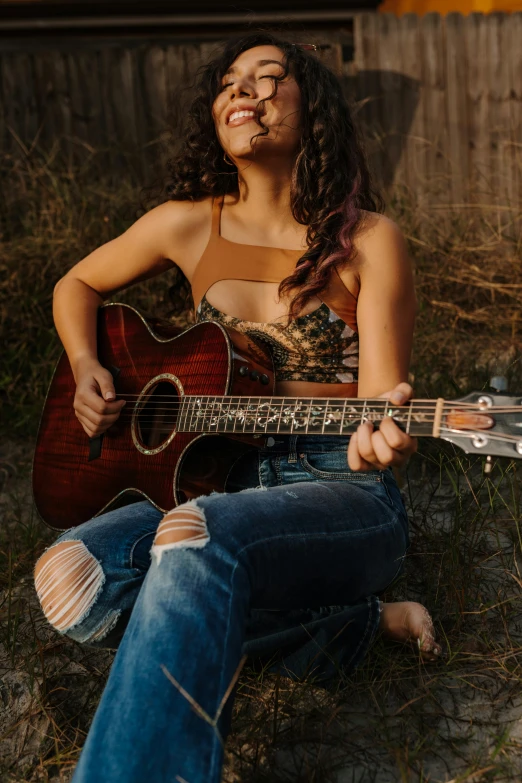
(429, 648)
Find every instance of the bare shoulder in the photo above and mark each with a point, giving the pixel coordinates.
(377, 239)
(380, 253)
(185, 215)
(185, 229)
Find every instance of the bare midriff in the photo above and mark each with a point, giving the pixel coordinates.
(307, 389)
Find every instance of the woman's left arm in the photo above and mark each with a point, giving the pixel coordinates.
(386, 310)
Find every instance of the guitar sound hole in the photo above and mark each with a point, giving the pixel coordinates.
(158, 415)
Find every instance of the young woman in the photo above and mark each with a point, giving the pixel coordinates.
(272, 219)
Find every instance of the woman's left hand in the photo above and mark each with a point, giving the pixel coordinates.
(388, 446)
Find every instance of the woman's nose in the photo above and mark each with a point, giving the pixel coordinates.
(242, 88)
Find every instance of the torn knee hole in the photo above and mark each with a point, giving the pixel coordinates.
(184, 527)
(67, 581)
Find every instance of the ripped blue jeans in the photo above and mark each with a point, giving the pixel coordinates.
(286, 566)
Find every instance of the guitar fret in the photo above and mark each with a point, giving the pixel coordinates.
(228, 417)
(408, 423)
(267, 416)
(342, 417)
(324, 418)
(192, 412)
(293, 417)
(232, 414)
(236, 413)
(280, 414)
(308, 417)
(210, 415)
(363, 415)
(197, 407)
(245, 414)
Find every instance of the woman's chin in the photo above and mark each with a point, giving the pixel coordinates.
(263, 154)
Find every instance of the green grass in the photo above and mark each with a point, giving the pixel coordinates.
(396, 719)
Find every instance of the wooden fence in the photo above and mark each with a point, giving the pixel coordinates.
(439, 98)
(460, 80)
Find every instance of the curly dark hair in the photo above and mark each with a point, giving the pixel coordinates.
(330, 181)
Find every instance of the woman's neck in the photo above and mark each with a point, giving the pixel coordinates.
(263, 200)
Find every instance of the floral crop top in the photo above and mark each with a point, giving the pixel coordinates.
(317, 347)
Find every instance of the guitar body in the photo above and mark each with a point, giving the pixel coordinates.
(75, 478)
(195, 402)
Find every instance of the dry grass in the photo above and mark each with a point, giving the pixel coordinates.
(468, 266)
(396, 719)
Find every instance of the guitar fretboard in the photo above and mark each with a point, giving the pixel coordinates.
(287, 415)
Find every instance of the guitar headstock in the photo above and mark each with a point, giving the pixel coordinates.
(484, 423)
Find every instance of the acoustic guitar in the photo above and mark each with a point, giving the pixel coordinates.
(198, 399)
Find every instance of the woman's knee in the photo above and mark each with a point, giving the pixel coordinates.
(68, 580)
(183, 527)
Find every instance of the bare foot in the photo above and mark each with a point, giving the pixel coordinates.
(408, 621)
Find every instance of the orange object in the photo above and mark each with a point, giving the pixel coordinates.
(421, 7)
(465, 420)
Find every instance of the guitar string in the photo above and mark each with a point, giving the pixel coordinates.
(233, 399)
(356, 400)
(209, 412)
(252, 410)
(359, 400)
(447, 409)
(206, 421)
(236, 399)
(486, 433)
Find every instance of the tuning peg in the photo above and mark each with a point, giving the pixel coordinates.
(499, 383)
(488, 465)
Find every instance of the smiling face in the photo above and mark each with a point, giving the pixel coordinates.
(236, 109)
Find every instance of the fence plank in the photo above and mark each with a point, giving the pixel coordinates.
(515, 102)
(433, 107)
(392, 111)
(411, 89)
(4, 141)
(8, 102)
(61, 123)
(507, 133)
(498, 127)
(83, 101)
(457, 107)
(368, 92)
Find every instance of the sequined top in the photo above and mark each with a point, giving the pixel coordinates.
(320, 347)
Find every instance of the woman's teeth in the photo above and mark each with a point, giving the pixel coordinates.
(237, 114)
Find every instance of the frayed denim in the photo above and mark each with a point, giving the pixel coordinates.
(290, 562)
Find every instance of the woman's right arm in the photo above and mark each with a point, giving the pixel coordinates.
(172, 233)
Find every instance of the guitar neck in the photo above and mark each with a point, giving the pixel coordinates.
(304, 415)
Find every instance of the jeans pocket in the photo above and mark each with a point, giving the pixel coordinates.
(333, 466)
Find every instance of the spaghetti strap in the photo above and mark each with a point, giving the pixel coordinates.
(217, 206)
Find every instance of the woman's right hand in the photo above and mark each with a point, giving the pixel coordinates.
(95, 401)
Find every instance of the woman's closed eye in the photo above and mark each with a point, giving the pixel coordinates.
(265, 76)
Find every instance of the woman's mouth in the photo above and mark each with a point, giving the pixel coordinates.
(240, 117)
